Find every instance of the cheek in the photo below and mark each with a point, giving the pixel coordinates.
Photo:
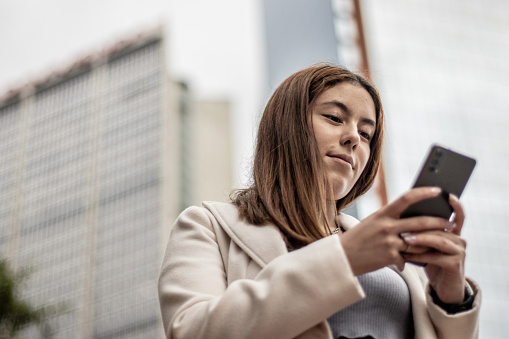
(325, 138)
(321, 142)
(365, 159)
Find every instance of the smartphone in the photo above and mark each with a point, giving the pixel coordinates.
(442, 168)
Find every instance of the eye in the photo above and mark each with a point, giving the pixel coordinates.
(333, 118)
(365, 135)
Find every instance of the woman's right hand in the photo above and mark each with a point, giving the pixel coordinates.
(376, 242)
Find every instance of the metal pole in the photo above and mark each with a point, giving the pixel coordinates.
(381, 189)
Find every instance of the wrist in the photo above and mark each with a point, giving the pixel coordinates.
(466, 305)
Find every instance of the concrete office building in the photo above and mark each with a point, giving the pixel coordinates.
(441, 68)
(90, 178)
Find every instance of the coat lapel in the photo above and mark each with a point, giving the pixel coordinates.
(422, 322)
(346, 221)
(261, 243)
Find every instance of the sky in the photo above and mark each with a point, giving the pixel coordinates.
(216, 46)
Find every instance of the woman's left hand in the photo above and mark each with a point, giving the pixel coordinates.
(446, 261)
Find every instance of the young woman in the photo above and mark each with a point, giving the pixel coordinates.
(281, 261)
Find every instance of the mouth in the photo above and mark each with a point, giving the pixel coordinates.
(343, 158)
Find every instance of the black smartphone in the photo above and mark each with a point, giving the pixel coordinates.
(442, 168)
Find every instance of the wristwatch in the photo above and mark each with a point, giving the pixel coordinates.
(466, 305)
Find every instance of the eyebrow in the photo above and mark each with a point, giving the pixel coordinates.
(347, 110)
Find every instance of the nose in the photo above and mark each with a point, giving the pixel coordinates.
(350, 137)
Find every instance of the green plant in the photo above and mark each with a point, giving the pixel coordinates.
(16, 313)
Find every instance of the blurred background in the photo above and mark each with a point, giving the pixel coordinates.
(116, 115)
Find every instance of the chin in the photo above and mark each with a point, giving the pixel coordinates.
(341, 185)
(343, 193)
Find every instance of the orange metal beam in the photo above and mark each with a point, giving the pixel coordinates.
(381, 189)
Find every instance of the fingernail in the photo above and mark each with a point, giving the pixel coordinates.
(451, 225)
(435, 189)
(408, 237)
(453, 197)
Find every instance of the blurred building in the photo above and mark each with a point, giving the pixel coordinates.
(298, 33)
(442, 71)
(441, 68)
(301, 33)
(205, 149)
(94, 161)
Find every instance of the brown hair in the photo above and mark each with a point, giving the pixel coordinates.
(291, 187)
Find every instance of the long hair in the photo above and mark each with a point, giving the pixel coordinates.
(290, 186)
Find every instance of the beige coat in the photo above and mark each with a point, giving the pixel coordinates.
(224, 278)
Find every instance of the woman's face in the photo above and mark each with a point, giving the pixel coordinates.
(344, 120)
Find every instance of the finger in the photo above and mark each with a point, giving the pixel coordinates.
(416, 249)
(443, 242)
(450, 263)
(422, 224)
(459, 214)
(424, 259)
(409, 249)
(416, 194)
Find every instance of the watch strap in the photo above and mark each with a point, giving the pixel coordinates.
(466, 305)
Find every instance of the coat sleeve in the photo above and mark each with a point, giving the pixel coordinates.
(463, 325)
(291, 294)
(431, 321)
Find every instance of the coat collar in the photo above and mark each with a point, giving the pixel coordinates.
(346, 221)
(261, 243)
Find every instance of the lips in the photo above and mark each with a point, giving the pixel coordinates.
(343, 157)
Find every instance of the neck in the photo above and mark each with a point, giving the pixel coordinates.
(331, 216)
